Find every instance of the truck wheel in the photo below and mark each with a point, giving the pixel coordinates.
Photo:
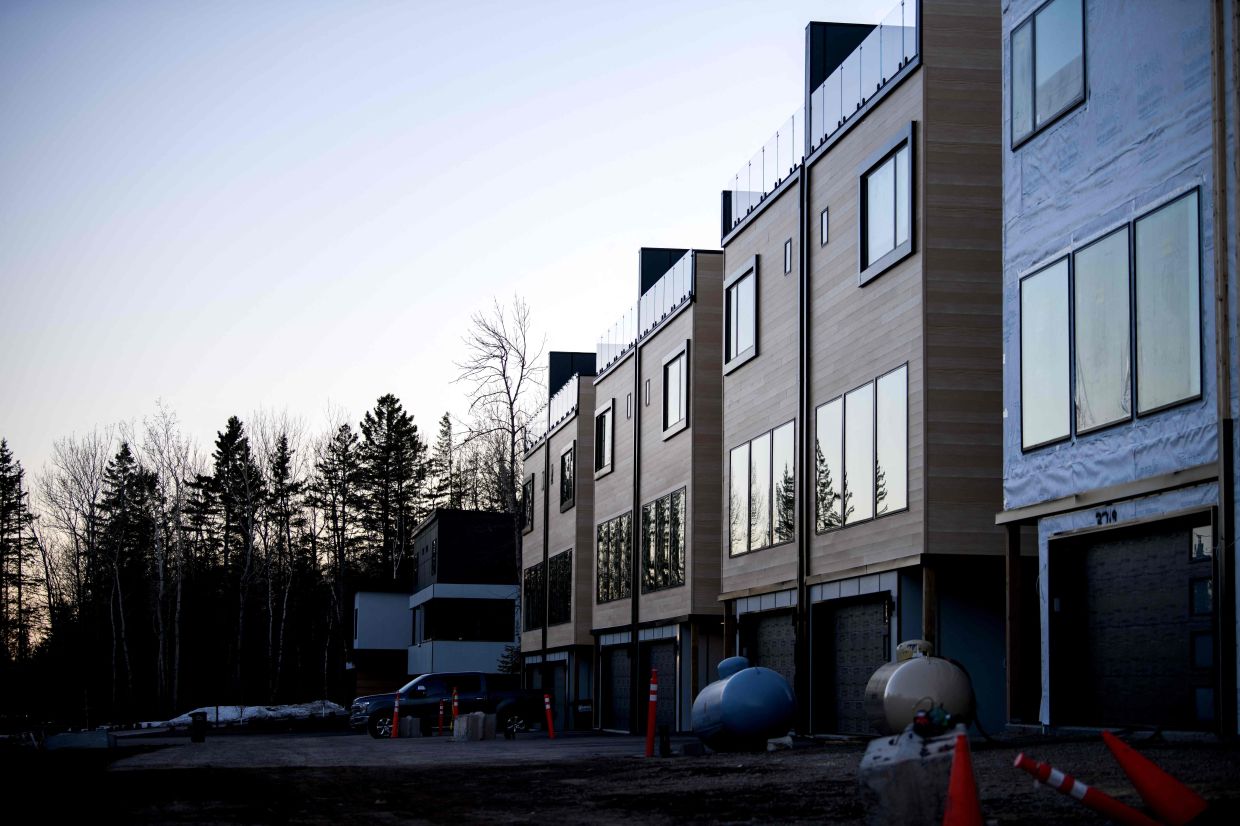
(513, 721)
(380, 726)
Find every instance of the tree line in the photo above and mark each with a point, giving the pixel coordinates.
(141, 576)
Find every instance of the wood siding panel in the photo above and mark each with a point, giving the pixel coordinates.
(706, 417)
(613, 493)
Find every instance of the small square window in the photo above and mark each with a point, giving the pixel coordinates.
(824, 227)
(788, 256)
(1202, 543)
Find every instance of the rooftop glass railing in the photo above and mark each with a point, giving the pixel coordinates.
(560, 407)
(872, 65)
(674, 287)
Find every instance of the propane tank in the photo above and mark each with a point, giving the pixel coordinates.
(898, 689)
(744, 708)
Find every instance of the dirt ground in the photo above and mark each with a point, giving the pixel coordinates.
(815, 782)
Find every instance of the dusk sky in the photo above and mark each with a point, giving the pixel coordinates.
(236, 205)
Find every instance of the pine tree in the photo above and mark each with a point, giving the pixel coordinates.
(445, 469)
(284, 508)
(17, 560)
(393, 473)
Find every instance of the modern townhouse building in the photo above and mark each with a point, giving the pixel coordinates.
(381, 634)
(464, 592)
(656, 473)
(1119, 163)
(557, 542)
(862, 365)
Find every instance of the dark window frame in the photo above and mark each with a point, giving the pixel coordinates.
(887, 152)
(1014, 142)
(824, 226)
(559, 614)
(839, 397)
(606, 411)
(748, 270)
(567, 502)
(1075, 434)
(619, 576)
(771, 493)
(648, 587)
(788, 256)
(534, 597)
(527, 504)
(670, 429)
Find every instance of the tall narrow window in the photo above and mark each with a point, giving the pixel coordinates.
(676, 391)
(859, 454)
(663, 548)
(886, 210)
(603, 438)
(560, 588)
(760, 492)
(1168, 292)
(783, 449)
(738, 500)
(824, 226)
(527, 504)
(1048, 66)
(741, 310)
(1103, 369)
(829, 465)
(614, 559)
(567, 491)
(1044, 385)
(891, 442)
(788, 256)
(534, 596)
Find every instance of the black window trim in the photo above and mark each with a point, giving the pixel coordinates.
(1015, 143)
(908, 500)
(907, 135)
(749, 268)
(640, 533)
(771, 473)
(528, 507)
(609, 408)
(571, 447)
(571, 564)
(598, 597)
(676, 427)
(1074, 434)
(824, 226)
(788, 256)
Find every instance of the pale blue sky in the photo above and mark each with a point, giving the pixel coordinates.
(235, 205)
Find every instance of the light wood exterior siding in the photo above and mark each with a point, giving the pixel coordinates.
(762, 393)
(613, 493)
(962, 214)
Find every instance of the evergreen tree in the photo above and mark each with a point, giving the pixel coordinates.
(393, 473)
(18, 560)
(284, 513)
(445, 471)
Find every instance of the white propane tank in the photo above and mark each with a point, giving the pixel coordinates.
(898, 689)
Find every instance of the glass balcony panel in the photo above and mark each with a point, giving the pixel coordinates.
(870, 53)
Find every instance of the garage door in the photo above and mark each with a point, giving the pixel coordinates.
(616, 684)
(662, 656)
(860, 645)
(1132, 639)
(769, 640)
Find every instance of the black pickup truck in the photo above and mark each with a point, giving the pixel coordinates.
(498, 694)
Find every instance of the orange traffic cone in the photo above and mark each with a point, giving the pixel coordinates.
(1173, 802)
(963, 807)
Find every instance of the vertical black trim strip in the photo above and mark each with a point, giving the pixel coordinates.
(801, 649)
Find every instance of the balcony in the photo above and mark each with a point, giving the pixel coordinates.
(559, 408)
(890, 47)
(674, 288)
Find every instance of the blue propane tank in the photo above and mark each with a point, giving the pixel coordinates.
(743, 708)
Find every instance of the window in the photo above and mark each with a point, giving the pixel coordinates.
(676, 392)
(1083, 316)
(604, 438)
(762, 491)
(1100, 328)
(1044, 356)
(434, 557)
(628, 406)
(886, 208)
(1168, 293)
(560, 588)
(567, 460)
(534, 596)
(527, 505)
(614, 559)
(741, 323)
(788, 256)
(1048, 66)
(861, 453)
(824, 226)
(663, 542)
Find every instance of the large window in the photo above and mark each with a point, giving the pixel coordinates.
(861, 453)
(676, 392)
(614, 559)
(527, 504)
(1101, 330)
(560, 588)
(604, 437)
(663, 542)
(762, 491)
(1048, 66)
(886, 208)
(534, 596)
(1155, 260)
(567, 465)
(1168, 291)
(741, 309)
